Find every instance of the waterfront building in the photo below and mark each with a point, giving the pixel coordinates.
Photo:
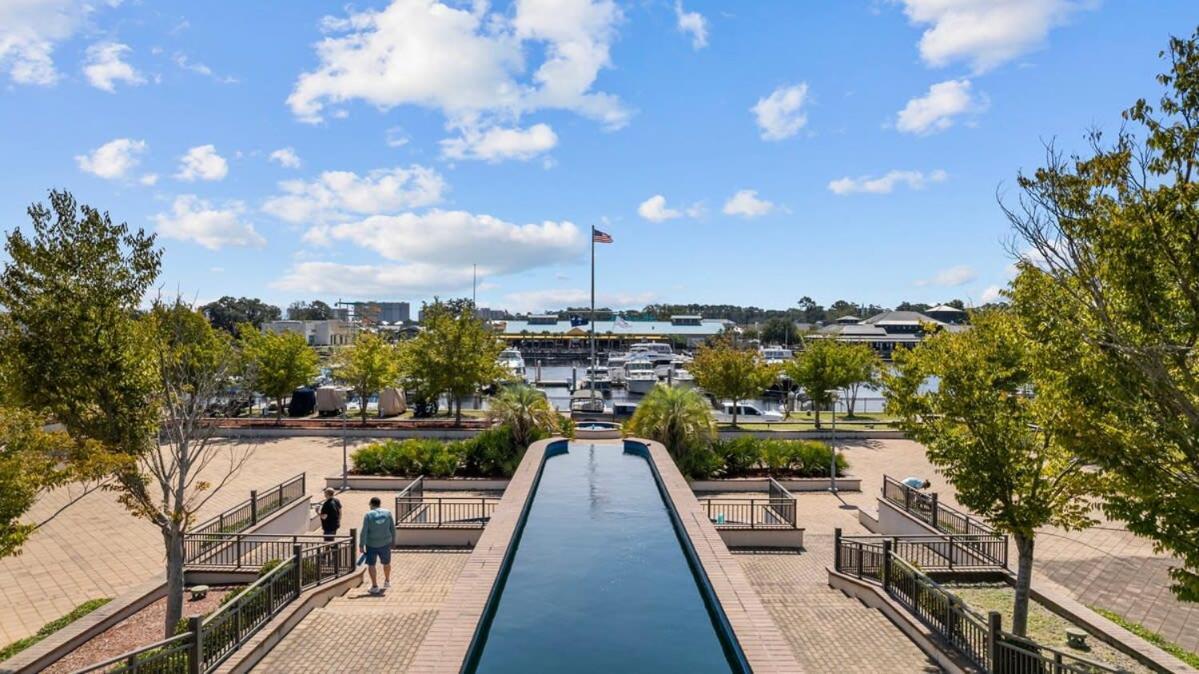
(333, 332)
(547, 335)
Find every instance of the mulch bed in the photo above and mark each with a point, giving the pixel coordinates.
(140, 629)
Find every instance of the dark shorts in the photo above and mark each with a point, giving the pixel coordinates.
(329, 533)
(382, 555)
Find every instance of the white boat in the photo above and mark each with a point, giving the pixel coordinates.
(512, 360)
(584, 403)
(597, 378)
(682, 379)
(775, 355)
(616, 362)
(639, 376)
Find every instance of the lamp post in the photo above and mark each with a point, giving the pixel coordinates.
(344, 452)
(832, 469)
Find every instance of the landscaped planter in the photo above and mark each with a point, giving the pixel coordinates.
(792, 484)
(390, 483)
(823, 434)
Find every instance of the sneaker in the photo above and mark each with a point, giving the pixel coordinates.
(387, 585)
(375, 591)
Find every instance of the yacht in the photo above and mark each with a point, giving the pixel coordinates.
(511, 359)
(584, 403)
(682, 379)
(775, 355)
(597, 378)
(639, 375)
(616, 362)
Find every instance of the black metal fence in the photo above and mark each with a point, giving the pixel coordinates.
(210, 640)
(260, 504)
(980, 639)
(461, 512)
(239, 552)
(776, 511)
(927, 508)
(410, 497)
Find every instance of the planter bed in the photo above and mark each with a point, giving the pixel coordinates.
(392, 483)
(351, 423)
(139, 629)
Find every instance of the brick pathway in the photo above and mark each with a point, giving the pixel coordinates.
(361, 633)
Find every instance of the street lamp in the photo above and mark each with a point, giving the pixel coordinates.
(832, 469)
(344, 451)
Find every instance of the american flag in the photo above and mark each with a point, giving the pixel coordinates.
(600, 237)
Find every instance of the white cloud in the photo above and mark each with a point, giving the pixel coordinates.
(935, 110)
(372, 281)
(745, 203)
(194, 219)
(951, 277)
(29, 32)
(781, 115)
(185, 63)
(458, 239)
(202, 163)
(149, 179)
(693, 24)
(286, 157)
(992, 294)
(396, 137)
(654, 209)
(986, 33)
(106, 66)
(112, 160)
(915, 180)
(338, 195)
(557, 298)
(497, 144)
(472, 64)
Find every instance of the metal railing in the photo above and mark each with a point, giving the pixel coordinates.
(926, 508)
(776, 511)
(948, 552)
(980, 639)
(260, 504)
(238, 552)
(210, 640)
(460, 512)
(409, 498)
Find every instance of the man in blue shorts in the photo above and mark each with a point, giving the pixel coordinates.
(377, 537)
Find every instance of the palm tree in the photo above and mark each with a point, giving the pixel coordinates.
(679, 418)
(523, 409)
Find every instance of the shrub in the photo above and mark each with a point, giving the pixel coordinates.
(793, 458)
(701, 463)
(52, 627)
(409, 458)
(738, 456)
(491, 453)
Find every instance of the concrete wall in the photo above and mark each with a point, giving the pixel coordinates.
(387, 483)
(758, 484)
(762, 538)
(412, 537)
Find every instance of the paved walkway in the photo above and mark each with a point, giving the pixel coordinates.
(361, 633)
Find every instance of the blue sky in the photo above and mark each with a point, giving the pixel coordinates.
(748, 153)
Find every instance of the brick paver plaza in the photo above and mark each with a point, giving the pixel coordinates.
(96, 549)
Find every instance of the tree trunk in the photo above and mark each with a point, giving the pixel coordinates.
(278, 411)
(1024, 548)
(172, 538)
(851, 400)
(362, 396)
(735, 401)
(816, 409)
(457, 410)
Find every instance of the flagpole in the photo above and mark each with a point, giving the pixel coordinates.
(591, 375)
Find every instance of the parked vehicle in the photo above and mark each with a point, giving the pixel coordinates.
(747, 411)
(303, 402)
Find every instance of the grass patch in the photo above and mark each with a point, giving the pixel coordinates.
(1152, 637)
(52, 627)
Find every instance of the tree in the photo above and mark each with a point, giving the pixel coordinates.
(822, 368)
(315, 310)
(679, 418)
(277, 363)
(193, 363)
(1109, 288)
(999, 445)
(778, 331)
(34, 462)
(71, 348)
(228, 312)
(454, 354)
(524, 410)
(862, 368)
(367, 366)
(730, 373)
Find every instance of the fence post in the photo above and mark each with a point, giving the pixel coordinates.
(933, 511)
(280, 495)
(303, 483)
(994, 625)
(295, 551)
(353, 549)
(885, 565)
(837, 549)
(907, 498)
(237, 549)
(253, 506)
(195, 658)
(952, 547)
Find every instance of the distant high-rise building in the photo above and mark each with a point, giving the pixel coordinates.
(386, 312)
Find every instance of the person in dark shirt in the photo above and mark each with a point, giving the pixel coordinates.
(330, 515)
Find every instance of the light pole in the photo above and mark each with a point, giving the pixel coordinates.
(832, 469)
(344, 452)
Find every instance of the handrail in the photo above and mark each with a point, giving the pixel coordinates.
(946, 552)
(261, 503)
(146, 655)
(460, 512)
(777, 511)
(927, 508)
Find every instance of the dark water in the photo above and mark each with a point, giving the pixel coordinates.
(599, 582)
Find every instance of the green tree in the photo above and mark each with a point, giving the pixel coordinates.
(1000, 446)
(777, 331)
(823, 367)
(277, 363)
(524, 411)
(679, 418)
(367, 366)
(315, 310)
(454, 353)
(862, 368)
(229, 312)
(730, 373)
(1109, 287)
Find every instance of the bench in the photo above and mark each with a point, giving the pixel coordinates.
(198, 592)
